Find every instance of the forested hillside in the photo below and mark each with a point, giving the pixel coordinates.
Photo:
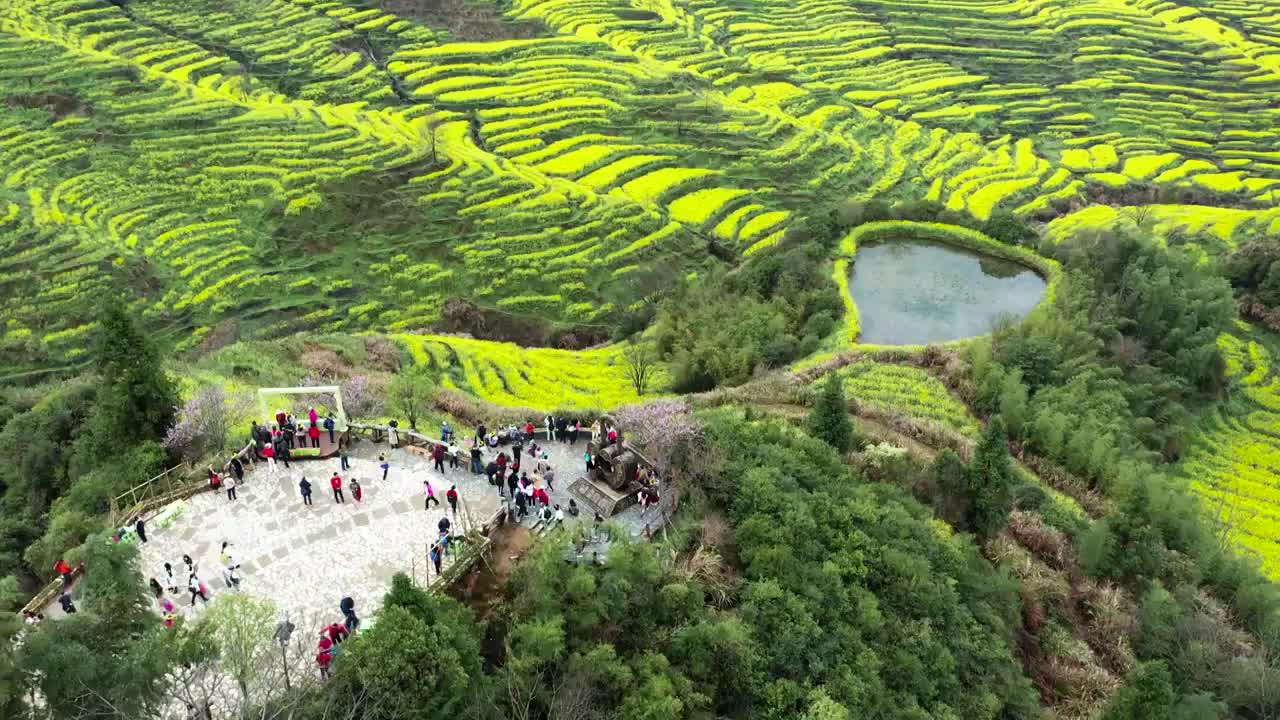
(946, 332)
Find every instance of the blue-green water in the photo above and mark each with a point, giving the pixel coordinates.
(912, 293)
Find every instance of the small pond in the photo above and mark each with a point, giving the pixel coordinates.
(912, 292)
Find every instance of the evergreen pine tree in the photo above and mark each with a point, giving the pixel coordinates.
(1013, 402)
(951, 485)
(829, 418)
(991, 481)
(1127, 544)
(136, 399)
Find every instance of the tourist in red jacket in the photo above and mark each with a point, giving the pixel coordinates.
(323, 659)
(335, 482)
(64, 570)
(337, 632)
(313, 432)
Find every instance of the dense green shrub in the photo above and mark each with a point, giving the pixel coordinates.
(1005, 226)
(1129, 344)
(1111, 374)
(1254, 272)
(840, 575)
(722, 328)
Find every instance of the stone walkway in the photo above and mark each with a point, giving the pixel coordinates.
(306, 558)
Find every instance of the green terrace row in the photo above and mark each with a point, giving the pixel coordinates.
(891, 169)
(904, 389)
(45, 276)
(1131, 74)
(956, 96)
(159, 193)
(558, 129)
(322, 55)
(1231, 461)
(545, 172)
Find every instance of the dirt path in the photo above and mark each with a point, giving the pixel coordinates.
(483, 588)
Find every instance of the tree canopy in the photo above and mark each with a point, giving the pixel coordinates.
(829, 418)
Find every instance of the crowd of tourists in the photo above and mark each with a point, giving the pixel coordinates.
(274, 441)
(518, 467)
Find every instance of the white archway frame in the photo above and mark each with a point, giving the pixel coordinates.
(340, 417)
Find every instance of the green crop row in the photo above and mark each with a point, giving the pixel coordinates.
(216, 144)
(1232, 461)
(908, 390)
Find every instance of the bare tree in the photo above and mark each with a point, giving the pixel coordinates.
(640, 365)
(1141, 216)
(521, 692)
(242, 625)
(428, 133)
(197, 678)
(270, 697)
(409, 393)
(575, 698)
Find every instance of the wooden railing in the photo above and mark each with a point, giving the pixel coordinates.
(246, 454)
(472, 550)
(173, 484)
(666, 511)
(177, 483)
(378, 433)
(125, 504)
(50, 591)
(478, 540)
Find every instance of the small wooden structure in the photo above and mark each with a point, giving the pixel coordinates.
(616, 465)
(601, 498)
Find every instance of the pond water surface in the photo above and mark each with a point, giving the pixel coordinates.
(911, 292)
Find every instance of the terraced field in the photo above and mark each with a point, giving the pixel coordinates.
(909, 391)
(540, 378)
(1215, 229)
(197, 154)
(1234, 462)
